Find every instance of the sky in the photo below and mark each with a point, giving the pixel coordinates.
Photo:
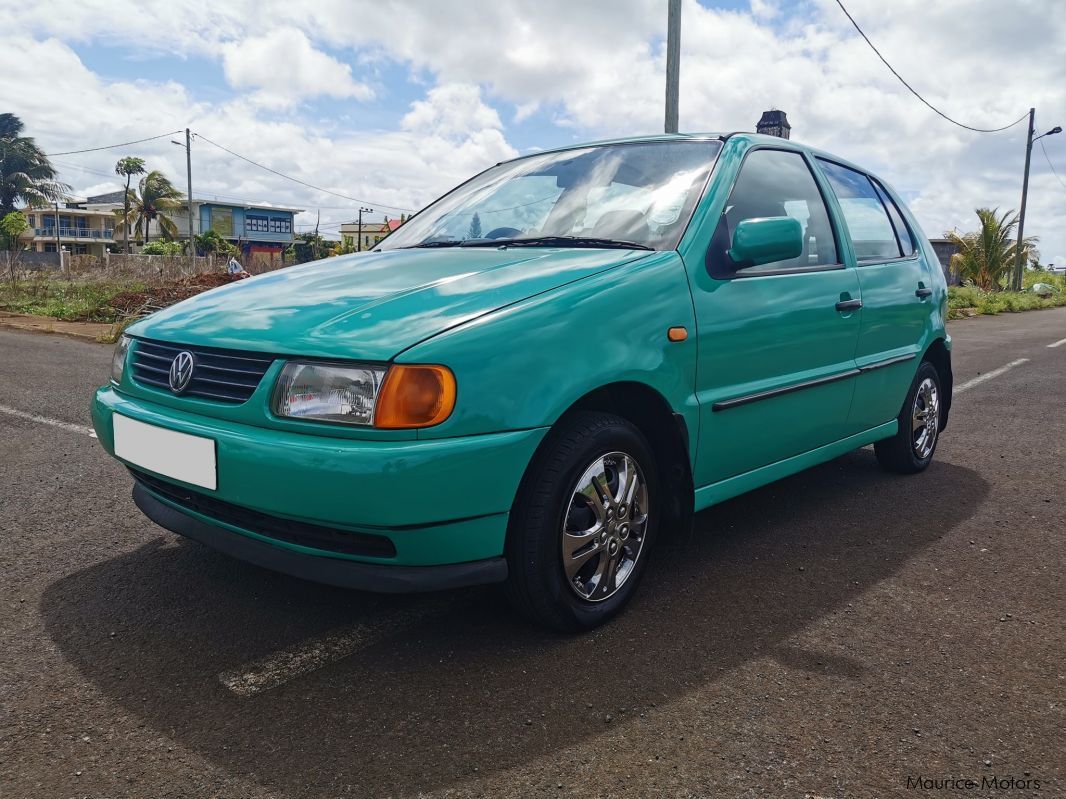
(393, 103)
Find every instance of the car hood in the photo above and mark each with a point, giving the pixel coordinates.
(371, 306)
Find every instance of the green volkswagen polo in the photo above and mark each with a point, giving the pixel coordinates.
(542, 372)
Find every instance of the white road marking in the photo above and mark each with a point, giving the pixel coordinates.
(312, 654)
(1058, 343)
(988, 376)
(32, 417)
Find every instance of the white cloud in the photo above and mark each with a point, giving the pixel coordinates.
(764, 9)
(284, 68)
(450, 110)
(447, 137)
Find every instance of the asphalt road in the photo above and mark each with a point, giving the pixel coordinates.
(831, 635)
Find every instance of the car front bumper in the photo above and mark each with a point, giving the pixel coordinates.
(330, 570)
(439, 502)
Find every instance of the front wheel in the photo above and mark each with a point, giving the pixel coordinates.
(911, 449)
(583, 523)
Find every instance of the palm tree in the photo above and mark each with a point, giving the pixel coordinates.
(154, 199)
(26, 174)
(128, 166)
(985, 257)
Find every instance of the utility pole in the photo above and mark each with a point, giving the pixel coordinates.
(1018, 266)
(188, 186)
(359, 227)
(314, 241)
(673, 62)
(188, 189)
(59, 245)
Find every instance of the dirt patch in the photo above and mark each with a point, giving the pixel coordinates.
(135, 304)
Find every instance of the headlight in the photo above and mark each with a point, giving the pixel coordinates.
(328, 393)
(397, 397)
(118, 359)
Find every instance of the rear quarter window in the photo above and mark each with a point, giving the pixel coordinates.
(873, 236)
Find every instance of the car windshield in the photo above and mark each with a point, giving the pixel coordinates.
(637, 195)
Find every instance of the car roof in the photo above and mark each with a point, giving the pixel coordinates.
(753, 138)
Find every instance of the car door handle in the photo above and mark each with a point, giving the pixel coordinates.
(849, 305)
(923, 292)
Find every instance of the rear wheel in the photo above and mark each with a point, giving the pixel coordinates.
(911, 449)
(583, 523)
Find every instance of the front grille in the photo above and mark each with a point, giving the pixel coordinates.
(309, 535)
(223, 375)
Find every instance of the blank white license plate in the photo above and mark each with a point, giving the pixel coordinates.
(181, 456)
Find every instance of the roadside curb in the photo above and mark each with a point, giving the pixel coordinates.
(86, 331)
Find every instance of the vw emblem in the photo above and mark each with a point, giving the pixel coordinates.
(181, 372)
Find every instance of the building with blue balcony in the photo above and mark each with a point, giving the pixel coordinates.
(79, 231)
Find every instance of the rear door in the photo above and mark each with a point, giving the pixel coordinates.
(776, 365)
(896, 294)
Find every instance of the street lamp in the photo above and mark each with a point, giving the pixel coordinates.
(1018, 266)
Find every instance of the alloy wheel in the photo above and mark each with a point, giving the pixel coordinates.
(925, 419)
(604, 527)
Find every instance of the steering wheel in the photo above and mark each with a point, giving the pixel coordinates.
(503, 233)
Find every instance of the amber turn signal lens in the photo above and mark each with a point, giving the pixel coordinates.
(677, 334)
(415, 396)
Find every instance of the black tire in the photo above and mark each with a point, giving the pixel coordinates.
(537, 585)
(897, 454)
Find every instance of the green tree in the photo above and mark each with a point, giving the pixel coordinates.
(211, 243)
(155, 198)
(985, 257)
(307, 247)
(475, 227)
(128, 166)
(345, 246)
(26, 174)
(13, 225)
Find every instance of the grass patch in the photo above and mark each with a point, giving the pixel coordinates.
(70, 301)
(965, 301)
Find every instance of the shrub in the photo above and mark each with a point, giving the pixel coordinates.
(163, 248)
(964, 296)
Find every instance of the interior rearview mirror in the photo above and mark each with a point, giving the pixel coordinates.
(765, 240)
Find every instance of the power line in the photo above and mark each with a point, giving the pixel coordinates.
(231, 152)
(114, 146)
(1048, 159)
(297, 180)
(205, 195)
(912, 89)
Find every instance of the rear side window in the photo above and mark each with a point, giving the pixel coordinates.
(775, 183)
(903, 233)
(872, 234)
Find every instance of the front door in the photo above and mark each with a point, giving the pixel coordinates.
(896, 293)
(776, 366)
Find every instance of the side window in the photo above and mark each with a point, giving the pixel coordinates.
(903, 233)
(775, 183)
(871, 231)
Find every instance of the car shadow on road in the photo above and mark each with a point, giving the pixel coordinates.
(466, 688)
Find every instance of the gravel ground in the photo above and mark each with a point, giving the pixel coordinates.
(832, 635)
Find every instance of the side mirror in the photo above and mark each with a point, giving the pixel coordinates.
(766, 240)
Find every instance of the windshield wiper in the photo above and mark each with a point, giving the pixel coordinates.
(436, 243)
(559, 241)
